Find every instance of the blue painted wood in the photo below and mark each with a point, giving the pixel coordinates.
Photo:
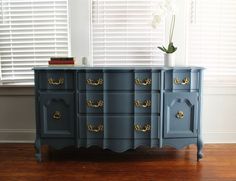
(66, 78)
(57, 114)
(172, 75)
(185, 126)
(124, 124)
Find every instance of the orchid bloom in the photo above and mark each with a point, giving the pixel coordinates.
(165, 8)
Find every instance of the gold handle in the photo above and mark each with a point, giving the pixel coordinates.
(145, 104)
(94, 82)
(97, 129)
(145, 128)
(56, 115)
(95, 104)
(144, 82)
(52, 81)
(180, 114)
(185, 81)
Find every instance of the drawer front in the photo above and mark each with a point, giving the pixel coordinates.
(147, 103)
(108, 80)
(57, 114)
(182, 79)
(119, 103)
(91, 127)
(91, 103)
(147, 81)
(53, 80)
(109, 127)
(118, 127)
(90, 80)
(118, 80)
(146, 127)
(180, 114)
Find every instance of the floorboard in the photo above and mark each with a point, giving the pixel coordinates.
(17, 163)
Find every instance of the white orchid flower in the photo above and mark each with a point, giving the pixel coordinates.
(165, 8)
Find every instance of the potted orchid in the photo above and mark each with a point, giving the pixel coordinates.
(165, 9)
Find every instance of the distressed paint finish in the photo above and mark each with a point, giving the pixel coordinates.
(129, 107)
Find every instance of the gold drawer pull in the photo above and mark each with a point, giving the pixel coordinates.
(185, 81)
(180, 114)
(52, 81)
(94, 82)
(97, 129)
(144, 82)
(56, 115)
(144, 129)
(95, 104)
(145, 104)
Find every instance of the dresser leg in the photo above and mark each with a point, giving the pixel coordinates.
(37, 146)
(199, 149)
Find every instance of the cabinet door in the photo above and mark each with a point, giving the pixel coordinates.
(180, 114)
(57, 114)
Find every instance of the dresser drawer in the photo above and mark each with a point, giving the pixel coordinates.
(92, 80)
(147, 81)
(57, 114)
(119, 103)
(181, 79)
(91, 127)
(99, 127)
(147, 102)
(91, 103)
(56, 80)
(107, 127)
(146, 127)
(109, 80)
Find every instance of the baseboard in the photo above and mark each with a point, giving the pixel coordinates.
(219, 137)
(17, 135)
(28, 136)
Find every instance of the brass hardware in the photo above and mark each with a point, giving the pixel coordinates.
(145, 104)
(144, 129)
(144, 82)
(56, 115)
(95, 104)
(185, 81)
(52, 81)
(97, 129)
(180, 114)
(94, 82)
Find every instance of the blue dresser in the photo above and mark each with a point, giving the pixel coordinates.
(118, 108)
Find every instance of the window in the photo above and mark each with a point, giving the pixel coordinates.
(122, 33)
(212, 40)
(31, 31)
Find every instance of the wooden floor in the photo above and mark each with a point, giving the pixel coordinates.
(17, 163)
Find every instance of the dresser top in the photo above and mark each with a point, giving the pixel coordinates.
(78, 67)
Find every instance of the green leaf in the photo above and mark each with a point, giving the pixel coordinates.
(162, 49)
(171, 48)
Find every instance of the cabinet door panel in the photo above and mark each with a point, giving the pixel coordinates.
(57, 114)
(180, 115)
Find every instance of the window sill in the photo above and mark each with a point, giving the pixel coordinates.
(16, 90)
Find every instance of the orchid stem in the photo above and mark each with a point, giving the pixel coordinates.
(172, 26)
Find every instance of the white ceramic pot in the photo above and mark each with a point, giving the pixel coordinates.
(169, 59)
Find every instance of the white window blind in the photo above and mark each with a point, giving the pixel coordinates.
(31, 31)
(212, 40)
(122, 33)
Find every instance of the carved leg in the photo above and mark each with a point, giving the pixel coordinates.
(199, 149)
(37, 146)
